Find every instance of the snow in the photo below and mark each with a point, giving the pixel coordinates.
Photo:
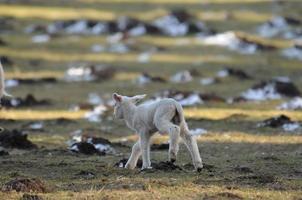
(96, 48)
(171, 26)
(182, 77)
(75, 74)
(36, 126)
(207, 81)
(222, 73)
(11, 83)
(294, 104)
(144, 57)
(40, 38)
(192, 99)
(142, 80)
(273, 27)
(292, 53)
(261, 94)
(231, 41)
(95, 114)
(94, 99)
(291, 126)
(198, 131)
(137, 31)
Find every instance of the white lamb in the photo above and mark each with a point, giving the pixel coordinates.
(2, 86)
(164, 116)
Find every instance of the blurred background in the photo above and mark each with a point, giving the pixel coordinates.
(235, 66)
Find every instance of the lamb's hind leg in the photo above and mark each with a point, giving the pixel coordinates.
(192, 146)
(174, 133)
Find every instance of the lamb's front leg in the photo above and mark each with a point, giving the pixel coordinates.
(145, 148)
(135, 154)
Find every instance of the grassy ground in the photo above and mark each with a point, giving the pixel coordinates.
(272, 156)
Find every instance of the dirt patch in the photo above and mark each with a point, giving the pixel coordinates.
(164, 146)
(85, 174)
(15, 139)
(165, 166)
(243, 169)
(223, 195)
(260, 179)
(31, 197)
(25, 185)
(162, 166)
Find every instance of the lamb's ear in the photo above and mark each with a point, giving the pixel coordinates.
(138, 98)
(116, 97)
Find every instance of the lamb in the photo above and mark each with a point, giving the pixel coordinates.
(2, 86)
(164, 116)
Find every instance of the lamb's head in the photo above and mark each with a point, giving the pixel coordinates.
(122, 103)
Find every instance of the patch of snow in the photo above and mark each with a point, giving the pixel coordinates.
(40, 38)
(144, 57)
(292, 53)
(115, 38)
(207, 81)
(192, 99)
(142, 80)
(261, 94)
(273, 27)
(137, 31)
(171, 26)
(95, 114)
(222, 73)
(231, 41)
(198, 131)
(95, 99)
(294, 104)
(182, 77)
(79, 74)
(291, 127)
(11, 83)
(36, 126)
(97, 48)
(118, 48)
(78, 27)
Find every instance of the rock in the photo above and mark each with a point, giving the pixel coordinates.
(28, 101)
(15, 139)
(3, 152)
(238, 73)
(85, 148)
(275, 122)
(25, 185)
(164, 146)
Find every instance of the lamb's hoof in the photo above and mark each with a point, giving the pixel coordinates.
(146, 169)
(172, 160)
(199, 169)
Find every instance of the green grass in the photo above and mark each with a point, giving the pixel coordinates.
(233, 138)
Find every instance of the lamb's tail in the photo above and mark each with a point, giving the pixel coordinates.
(184, 129)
